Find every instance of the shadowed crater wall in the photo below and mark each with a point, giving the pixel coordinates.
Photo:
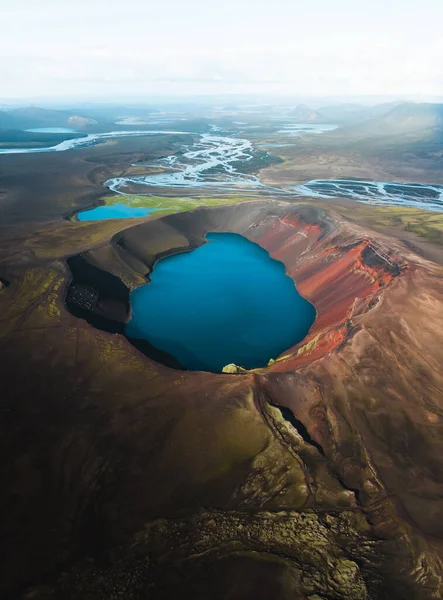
(102, 299)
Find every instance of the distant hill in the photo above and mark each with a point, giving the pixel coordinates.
(340, 114)
(305, 114)
(34, 116)
(347, 113)
(7, 121)
(407, 119)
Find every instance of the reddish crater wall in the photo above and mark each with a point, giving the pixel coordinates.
(341, 272)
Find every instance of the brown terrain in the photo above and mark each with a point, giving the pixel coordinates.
(319, 160)
(402, 144)
(43, 187)
(318, 477)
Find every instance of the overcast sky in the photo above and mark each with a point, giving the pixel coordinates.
(123, 49)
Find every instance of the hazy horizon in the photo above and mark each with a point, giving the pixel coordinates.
(192, 100)
(105, 51)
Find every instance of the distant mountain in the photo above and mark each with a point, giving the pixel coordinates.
(340, 114)
(7, 121)
(305, 114)
(352, 113)
(407, 119)
(34, 116)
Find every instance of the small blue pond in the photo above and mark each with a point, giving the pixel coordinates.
(115, 211)
(226, 302)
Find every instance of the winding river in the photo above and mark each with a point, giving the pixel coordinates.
(381, 193)
(210, 163)
(91, 139)
(217, 163)
(213, 162)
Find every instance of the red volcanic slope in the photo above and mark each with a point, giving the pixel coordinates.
(336, 277)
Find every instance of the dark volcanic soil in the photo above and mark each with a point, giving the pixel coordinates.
(318, 477)
(47, 186)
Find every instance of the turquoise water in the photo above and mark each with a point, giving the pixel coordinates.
(116, 211)
(225, 302)
(51, 130)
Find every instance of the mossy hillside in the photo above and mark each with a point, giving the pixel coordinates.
(58, 240)
(425, 223)
(32, 301)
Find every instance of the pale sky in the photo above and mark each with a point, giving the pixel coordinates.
(115, 49)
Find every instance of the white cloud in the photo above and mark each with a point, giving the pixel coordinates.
(99, 47)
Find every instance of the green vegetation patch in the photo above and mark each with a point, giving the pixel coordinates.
(170, 205)
(425, 223)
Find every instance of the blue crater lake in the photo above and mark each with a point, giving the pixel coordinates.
(226, 302)
(115, 211)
